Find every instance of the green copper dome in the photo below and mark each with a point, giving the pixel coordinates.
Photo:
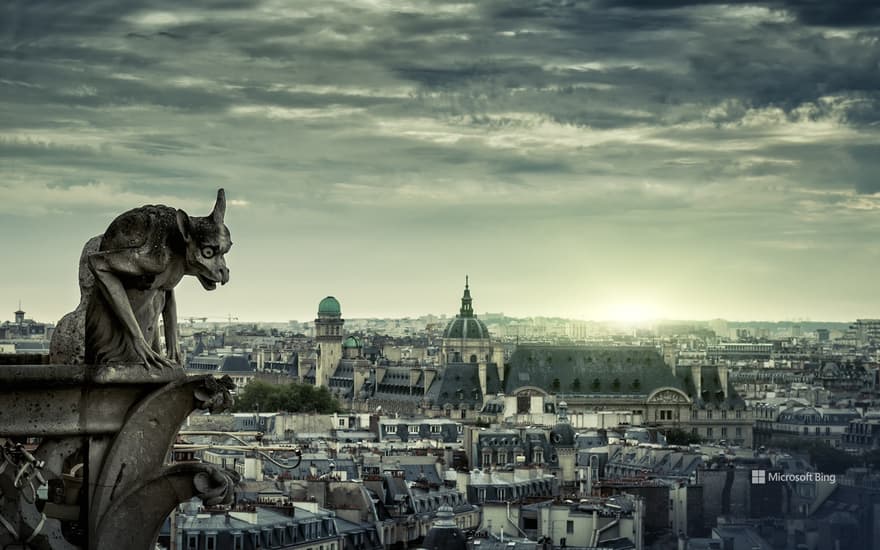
(329, 306)
(466, 327)
(351, 342)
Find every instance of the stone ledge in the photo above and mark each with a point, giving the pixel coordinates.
(12, 376)
(24, 359)
(73, 400)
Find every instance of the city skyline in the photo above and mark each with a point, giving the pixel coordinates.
(623, 318)
(613, 159)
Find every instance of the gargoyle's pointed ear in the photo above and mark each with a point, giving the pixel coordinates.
(219, 211)
(184, 224)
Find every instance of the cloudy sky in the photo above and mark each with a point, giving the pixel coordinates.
(596, 159)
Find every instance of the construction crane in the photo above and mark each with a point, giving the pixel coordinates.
(205, 318)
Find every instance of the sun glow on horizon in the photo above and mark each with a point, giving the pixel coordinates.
(630, 312)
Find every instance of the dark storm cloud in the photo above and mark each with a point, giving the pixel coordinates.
(787, 68)
(99, 92)
(452, 77)
(767, 61)
(841, 13)
(96, 162)
(789, 71)
(844, 13)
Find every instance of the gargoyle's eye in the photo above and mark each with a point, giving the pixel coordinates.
(208, 252)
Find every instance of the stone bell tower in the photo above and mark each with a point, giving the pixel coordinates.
(328, 335)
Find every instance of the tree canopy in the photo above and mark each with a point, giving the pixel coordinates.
(871, 459)
(824, 457)
(293, 397)
(677, 436)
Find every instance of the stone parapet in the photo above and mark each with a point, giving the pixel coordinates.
(99, 437)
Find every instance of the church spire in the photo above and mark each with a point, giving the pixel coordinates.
(19, 314)
(467, 309)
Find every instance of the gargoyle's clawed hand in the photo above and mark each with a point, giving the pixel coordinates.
(152, 359)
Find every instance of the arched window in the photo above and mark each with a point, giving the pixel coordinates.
(523, 403)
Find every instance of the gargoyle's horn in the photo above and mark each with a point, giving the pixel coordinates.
(219, 207)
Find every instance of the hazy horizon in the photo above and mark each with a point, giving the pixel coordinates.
(184, 318)
(605, 159)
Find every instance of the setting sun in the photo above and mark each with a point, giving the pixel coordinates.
(631, 312)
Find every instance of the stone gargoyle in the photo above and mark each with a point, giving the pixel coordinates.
(142, 256)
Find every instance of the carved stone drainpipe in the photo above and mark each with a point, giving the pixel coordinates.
(108, 430)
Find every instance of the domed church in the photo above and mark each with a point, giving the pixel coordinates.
(470, 368)
(466, 338)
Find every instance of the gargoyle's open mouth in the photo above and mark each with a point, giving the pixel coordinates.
(207, 284)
